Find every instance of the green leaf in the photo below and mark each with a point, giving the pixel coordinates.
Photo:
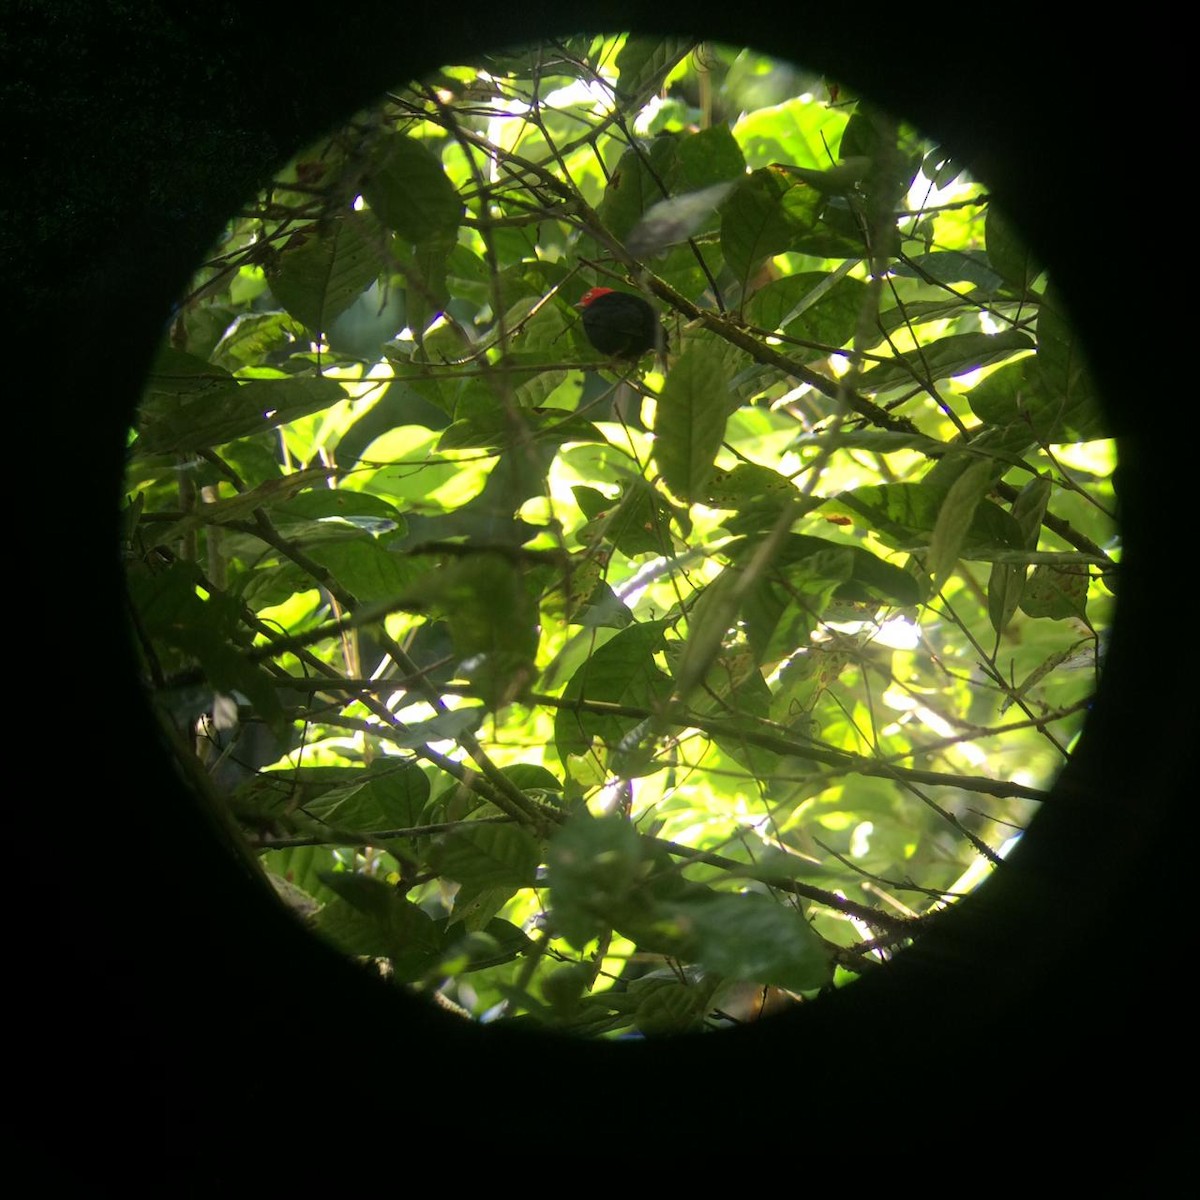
(747, 483)
(532, 777)
(916, 313)
(595, 867)
(494, 942)
(252, 337)
(953, 524)
(622, 672)
(302, 867)
(905, 515)
(517, 476)
(812, 307)
(1052, 395)
(794, 131)
(637, 522)
(388, 792)
(785, 606)
(667, 1006)
(952, 267)
(1008, 253)
(776, 605)
(372, 918)
(690, 422)
(893, 150)
(394, 798)
(326, 511)
(578, 583)
(203, 631)
(485, 601)
(954, 355)
(191, 405)
(709, 157)
(1071, 405)
(424, 267)
(408, 190)
(443, 726)
(496, 429)
(319, 278)
(940, 168)
(841, 180)
(487, 856)
(754, 937)
(1003, 446)
(1029, 508)
(869, 578)
(637, 184)
(1056, 592)
(365, 568)
(643, 63)
(243, 504)
(764, 215)
(1007, 582)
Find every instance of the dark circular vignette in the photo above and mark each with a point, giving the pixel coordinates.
(187, 1010)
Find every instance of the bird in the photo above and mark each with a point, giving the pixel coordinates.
(621, 324)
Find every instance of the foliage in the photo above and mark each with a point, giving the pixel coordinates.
(594, 696)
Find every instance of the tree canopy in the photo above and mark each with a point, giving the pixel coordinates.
(621, 697)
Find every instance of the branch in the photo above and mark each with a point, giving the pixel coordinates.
(842, 760)
(864, 912)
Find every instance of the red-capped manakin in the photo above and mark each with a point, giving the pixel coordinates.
(621, 324)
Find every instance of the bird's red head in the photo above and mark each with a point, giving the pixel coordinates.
(592, 294)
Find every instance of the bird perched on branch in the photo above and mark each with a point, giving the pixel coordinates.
(621, 324)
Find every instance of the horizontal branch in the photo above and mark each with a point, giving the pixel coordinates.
(343, 837)
(842, 760)
(863, 912)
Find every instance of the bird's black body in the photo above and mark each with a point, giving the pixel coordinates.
(621, 324)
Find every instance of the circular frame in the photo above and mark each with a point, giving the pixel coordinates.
(196, 981)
